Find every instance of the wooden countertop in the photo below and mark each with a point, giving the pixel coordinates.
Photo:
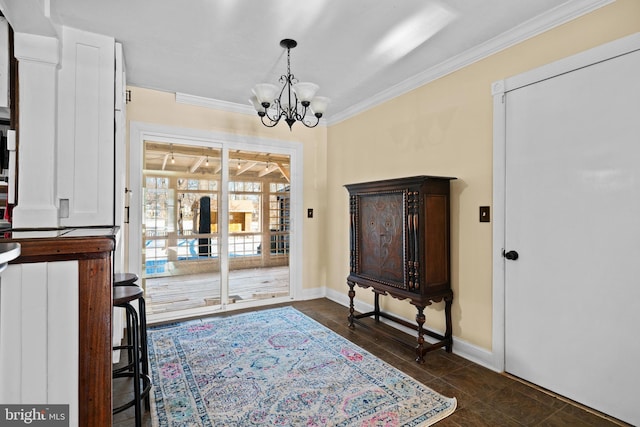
(61, 243)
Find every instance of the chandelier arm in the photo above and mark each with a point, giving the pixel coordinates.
(302, 116)
(309, 125)
(276, 117)
(273, 122)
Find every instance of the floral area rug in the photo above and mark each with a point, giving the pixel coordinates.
(278, 367)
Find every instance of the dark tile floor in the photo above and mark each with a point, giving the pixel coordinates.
(485, 398)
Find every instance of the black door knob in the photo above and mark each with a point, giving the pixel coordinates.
(511, 255)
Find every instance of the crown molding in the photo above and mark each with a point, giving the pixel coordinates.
(531, 28)
(201, 101)
(553, 18)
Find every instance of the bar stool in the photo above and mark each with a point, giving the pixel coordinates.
(137, 366)
(130, 279)
(125, 279)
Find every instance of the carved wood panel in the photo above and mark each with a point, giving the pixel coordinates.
(382, 242)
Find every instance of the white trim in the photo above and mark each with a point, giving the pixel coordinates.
(312, 293)
(545, 22)
(35, 48)
(461, 348)
(140, 131)
(592, 56)
(223, 245)
(500, 92)
(499, 170)
(201, 101)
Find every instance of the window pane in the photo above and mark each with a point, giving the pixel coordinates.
(245, 187)
(279, 215)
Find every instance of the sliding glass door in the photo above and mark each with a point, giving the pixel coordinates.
(216, 227)
(180, 257)
(258, 241)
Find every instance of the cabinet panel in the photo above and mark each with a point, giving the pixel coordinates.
(437, 247)
(382, 238)
(10, 336)
(86, 129)
(39, 334)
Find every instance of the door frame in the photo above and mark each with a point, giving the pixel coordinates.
(499, 91)
(141, 131)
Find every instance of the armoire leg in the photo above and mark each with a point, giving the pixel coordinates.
(352, 294)
(420, 318)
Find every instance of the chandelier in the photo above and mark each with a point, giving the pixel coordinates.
(294, 100)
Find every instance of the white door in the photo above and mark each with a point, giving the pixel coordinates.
(572, 213)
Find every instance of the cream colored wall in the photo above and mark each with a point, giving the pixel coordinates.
(442, 128)
(445, 128)
(151, 106)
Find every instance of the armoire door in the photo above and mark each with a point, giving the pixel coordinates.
(572, 213)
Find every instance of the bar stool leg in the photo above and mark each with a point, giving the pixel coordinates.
(136, 364)
(130, 346)
(143, 344)
(133, 369)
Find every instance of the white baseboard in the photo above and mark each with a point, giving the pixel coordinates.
(313, 293)
(461, 348)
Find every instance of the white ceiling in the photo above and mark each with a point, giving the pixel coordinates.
(360, 52)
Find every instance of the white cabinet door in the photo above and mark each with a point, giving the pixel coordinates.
(39, 350)
(120, 156)
(86, 129)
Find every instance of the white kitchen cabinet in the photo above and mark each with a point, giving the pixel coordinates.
(86, 147)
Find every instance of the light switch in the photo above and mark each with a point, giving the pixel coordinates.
(485, 215)
(309, 213)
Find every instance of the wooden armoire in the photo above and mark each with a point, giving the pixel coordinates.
(399, 246)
